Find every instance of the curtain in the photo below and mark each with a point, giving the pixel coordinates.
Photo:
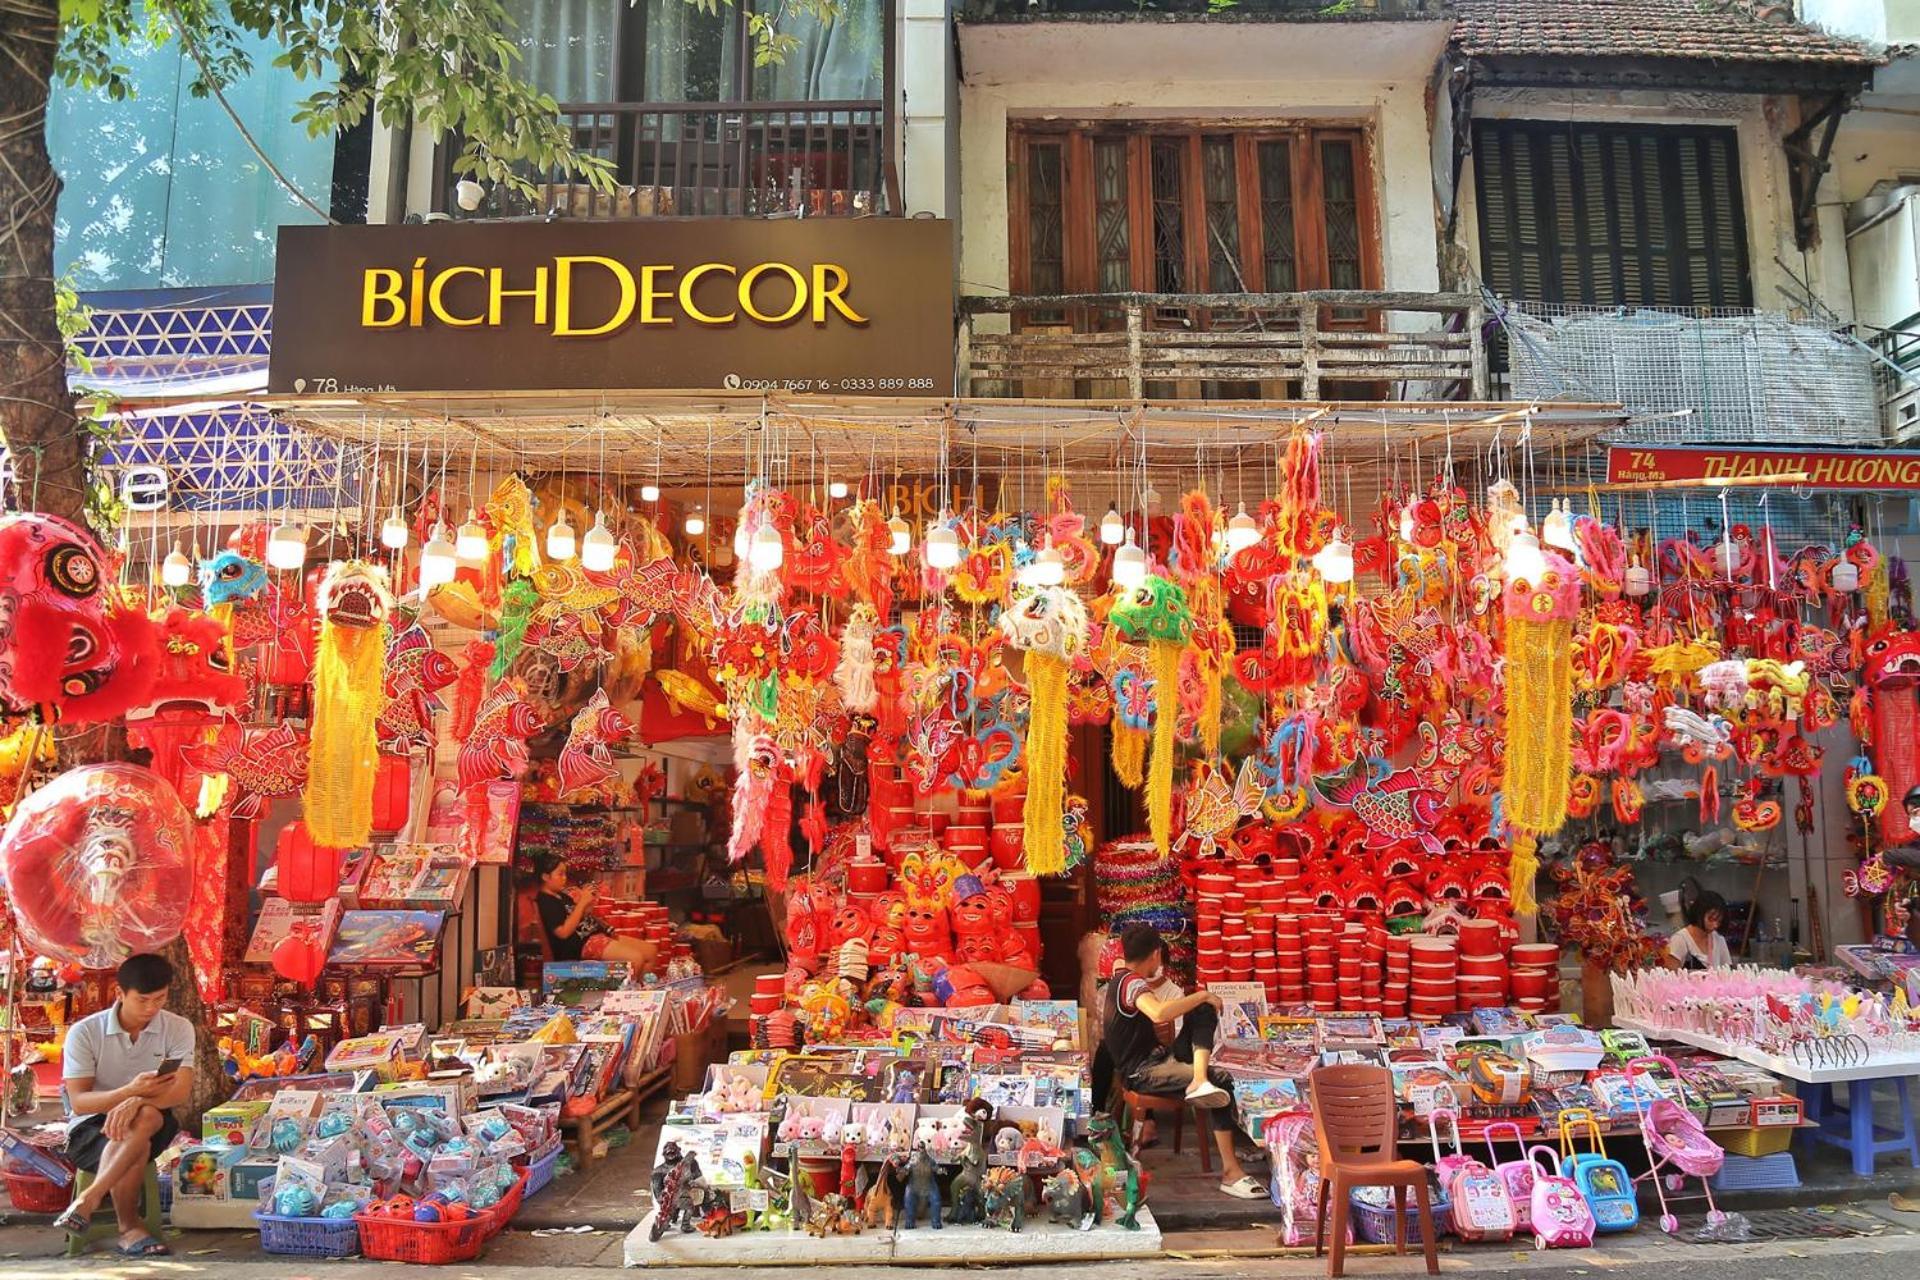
(569, 46)
(689, 53)
(838, 58)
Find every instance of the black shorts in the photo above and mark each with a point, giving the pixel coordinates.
(87, 1139)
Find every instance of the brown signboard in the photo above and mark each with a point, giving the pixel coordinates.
(828, 306)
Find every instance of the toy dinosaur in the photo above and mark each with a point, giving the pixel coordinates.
(881, 1208)
(968, 1206)
(1067, 1199)
(923, 1187)
(1121, 1185)
(1004, 1199)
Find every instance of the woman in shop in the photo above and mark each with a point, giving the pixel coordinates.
(1700, 944)
(573, 931)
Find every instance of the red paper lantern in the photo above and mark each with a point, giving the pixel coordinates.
(392, 794)
(299, 958)
(307, 872)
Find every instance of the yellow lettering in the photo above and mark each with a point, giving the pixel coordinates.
(752, 277)
(497, 293)
(438, 307)
(829, 282)
(650, 295)
(417, 295)
(382, 286)
(688, 281)
(563, 326)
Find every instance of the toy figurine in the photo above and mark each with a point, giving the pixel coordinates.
(1004, 1199)
(678, 1190)
(1119, 1186)
(906, 1087)
(849, 1166)
(1067, 1199)
(923, 1187)
(881, 1207)
(833, 1216)
(965, 1193)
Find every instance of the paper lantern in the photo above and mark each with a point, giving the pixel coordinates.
(307, 872)
(392, 794)
(99, 864)
(299, 958)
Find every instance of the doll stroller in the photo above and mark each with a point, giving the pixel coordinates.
(1677, 1148)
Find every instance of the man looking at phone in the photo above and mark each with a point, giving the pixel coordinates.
(125, 1070)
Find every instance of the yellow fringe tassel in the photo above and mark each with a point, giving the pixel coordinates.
(1521, 872)
(1212, 697)
(349, 668)
(1046, 765)
(1129, 755)
(1539, 765)
(1165, 657)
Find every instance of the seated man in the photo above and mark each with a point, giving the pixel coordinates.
(1182, 1069)
(125, 1068)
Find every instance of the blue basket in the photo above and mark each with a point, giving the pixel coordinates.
(1374, 1223)
(308, 1237)
(1776, 1172)
(540, 1173)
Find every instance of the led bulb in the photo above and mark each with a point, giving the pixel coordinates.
(899, 536)
(696, 523)
(1525, 561)
(470, 544)
(287, 547)
(1335, 562)
(560, 540)
(598, 548)
(1049, 570)
(837, 489)
(765, 552)
(740, 541)
(649, 493)
(1129, 564)
(1557, 529)
(1242, 531)
(394, 534)
(1406, 523)
(176, 570)
(437, 559)
(1112, 527)
(1639, 581)
(1846, 575)
(943, 547)
(1727, 557)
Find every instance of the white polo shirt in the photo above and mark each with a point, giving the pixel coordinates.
(98, 1046)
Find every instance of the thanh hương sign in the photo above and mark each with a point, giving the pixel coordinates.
(834, 306)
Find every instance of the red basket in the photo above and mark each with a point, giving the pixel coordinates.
(32, 1193)
(507, 1206)
(432, 1243)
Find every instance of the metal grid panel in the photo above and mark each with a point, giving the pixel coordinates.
(1747, 377)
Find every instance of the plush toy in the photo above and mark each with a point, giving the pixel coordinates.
(349, 679)
(66, 644)
(1156, 612)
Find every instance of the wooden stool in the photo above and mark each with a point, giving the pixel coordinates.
(1135, 1106)
(100, 1230)
(583, 1131)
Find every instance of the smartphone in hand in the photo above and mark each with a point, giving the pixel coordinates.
(168, 1067)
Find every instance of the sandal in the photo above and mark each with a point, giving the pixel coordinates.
(144, 1247)
(1247, 1188)
(72, 1221)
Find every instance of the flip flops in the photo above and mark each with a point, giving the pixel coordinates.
(1246, 1188)
(72, 1221)
(144, 1247)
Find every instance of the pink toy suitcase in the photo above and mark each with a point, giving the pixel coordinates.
(1516, 1174)
(1561, 1216)
(1482, 1209)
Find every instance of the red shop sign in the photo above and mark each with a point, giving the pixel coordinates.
(1824, 468)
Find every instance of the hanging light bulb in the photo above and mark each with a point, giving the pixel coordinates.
(1406, 523)
(437, 559)
(1726, 557)
(176, 570)
(943, 545)
(287, 547)
(1525, 561)
(598, 548)
(470, 542)
(899, 536)
(1129, 564)
(766, 551)
(1242, 531)
(1049, 570)
(649, 493)
(1557, 529)
(837, 489)
(740, 540)
(394, 534)
(696, 523)
(1846, 575)
(1335, 561)
(1639, 581)
(1112, 527)
(560, 539)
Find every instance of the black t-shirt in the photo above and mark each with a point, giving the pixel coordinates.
(1129, 1031)
(554, 910)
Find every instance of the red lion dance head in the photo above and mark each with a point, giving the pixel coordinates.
(65, 643)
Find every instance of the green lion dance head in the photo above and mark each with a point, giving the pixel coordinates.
(1154, 610)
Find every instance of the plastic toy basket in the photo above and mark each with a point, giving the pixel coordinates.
(1373, 1222)
(32, 1193)
(1776, 1172)
(1764, 1141)
(503, 1209)
(540, 1172)
(308, 1237)
(431, 1243)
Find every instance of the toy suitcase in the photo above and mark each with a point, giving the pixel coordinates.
(1560, 1215)
(1482, 1209)
(1517, 1175)
(1605, 1182)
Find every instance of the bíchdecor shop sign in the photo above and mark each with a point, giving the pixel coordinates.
(822, 305)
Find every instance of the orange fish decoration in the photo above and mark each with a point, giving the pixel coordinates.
(263, 763)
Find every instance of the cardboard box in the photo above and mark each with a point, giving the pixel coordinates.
(232, 1122)
(713, 953)
(244, 1179)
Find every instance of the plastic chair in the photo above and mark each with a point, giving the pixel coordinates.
(104, 1227)
(1356, 1119)
(1135, 1104)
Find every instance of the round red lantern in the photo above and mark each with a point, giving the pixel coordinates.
(392, 793)
(307, 872)
(299, 958)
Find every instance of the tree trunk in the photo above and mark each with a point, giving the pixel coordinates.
(48, 448)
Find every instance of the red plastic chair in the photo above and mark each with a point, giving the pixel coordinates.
(1356, 1121)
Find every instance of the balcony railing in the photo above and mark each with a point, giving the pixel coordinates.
(1337, 344)
(1239, 11)
(720, 159)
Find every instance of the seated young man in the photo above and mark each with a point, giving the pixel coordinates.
(1181, 1070)
(125, 1070)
